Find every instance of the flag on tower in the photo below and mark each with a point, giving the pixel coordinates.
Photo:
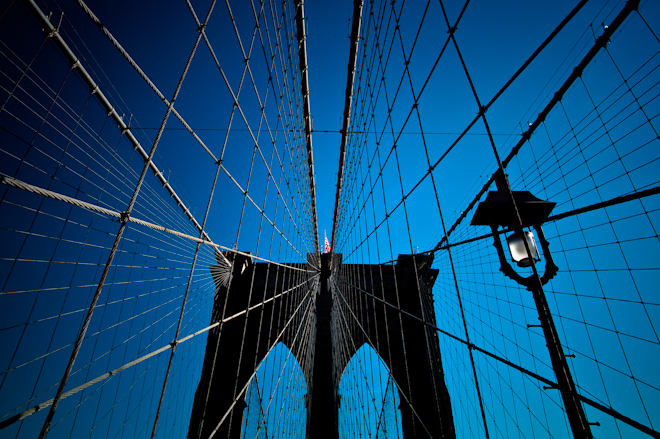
(327, 244)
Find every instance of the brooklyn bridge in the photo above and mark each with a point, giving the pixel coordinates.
(355, 219)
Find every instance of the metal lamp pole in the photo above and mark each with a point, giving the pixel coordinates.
(574, 411)
(498, 210)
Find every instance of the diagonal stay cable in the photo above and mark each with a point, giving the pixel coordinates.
(523, 67)
(355, 318)
(631, 5)
(144, 76)
(124, 221)
(610, 411)
(48, 403)
(125, 129)
(275, 341)
(194, 261)
(236, 103)
(370, 392)
(102, 210)
(601, 205)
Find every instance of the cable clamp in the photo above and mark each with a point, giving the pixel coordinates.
(124, 216)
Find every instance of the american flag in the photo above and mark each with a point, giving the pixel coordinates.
(327, 244)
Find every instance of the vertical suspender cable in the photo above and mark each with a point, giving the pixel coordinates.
(302, 56)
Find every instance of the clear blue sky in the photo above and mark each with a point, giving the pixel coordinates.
(604, 298)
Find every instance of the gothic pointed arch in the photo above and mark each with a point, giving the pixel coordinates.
(275, 398)
(368, 392)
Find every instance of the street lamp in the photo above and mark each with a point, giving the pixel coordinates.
(517, 212)
(519, 251)
(497, 210)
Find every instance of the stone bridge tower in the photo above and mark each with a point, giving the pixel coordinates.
(396, 318)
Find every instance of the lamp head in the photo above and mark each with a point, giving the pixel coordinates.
(497, 210)
(518, 250)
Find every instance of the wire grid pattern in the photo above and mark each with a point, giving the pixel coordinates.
(282, 391)
(105, 264)
(72, 169)
(366, 379)
(362, 376)
(577, 125)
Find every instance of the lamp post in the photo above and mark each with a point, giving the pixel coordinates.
(516, 211)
